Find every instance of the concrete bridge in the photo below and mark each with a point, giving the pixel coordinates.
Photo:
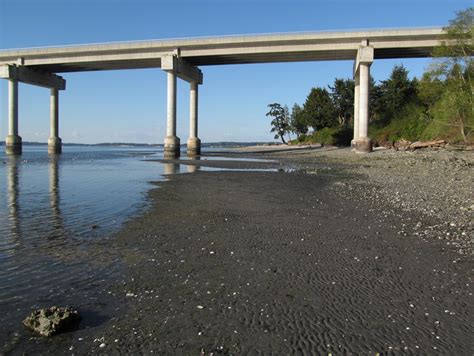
(181, 58)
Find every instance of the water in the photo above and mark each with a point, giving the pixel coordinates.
(56, 215)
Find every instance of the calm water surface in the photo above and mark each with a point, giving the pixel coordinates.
(56, 215)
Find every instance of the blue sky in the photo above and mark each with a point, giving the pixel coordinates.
(130, 106)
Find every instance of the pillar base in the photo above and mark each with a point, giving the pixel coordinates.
(13, 145)
(54, 145)
(194, 146)
(363, 145)
(172, 147)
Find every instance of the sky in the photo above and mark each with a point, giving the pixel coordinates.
(130, 105)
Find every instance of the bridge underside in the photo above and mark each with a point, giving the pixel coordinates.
(96, 64)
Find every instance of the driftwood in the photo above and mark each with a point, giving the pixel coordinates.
(405, 145)
(425, 144)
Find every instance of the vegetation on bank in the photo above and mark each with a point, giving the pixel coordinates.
(438, 105)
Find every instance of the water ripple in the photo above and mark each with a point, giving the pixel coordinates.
(55, 215)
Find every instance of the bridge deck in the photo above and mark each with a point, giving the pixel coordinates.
(288, 47)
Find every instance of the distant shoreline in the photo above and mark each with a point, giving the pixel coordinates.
(225, 144)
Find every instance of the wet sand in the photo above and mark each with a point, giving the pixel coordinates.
(276, 262)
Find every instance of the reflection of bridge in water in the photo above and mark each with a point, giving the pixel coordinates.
(175, 168)
(13, 191)
(181, 58)
(13, 175)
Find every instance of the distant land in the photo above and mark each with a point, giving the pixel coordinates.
(129, 144)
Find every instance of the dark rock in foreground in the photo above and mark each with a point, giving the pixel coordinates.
(50, 321)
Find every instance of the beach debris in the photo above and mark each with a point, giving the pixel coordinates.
(404, 145)
(426, 144)
(53, 320)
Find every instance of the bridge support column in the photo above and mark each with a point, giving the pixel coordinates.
(172, 143)
(13, 144)
(365, 57)
(356, 110)
(194, 143)
(363, 142)
(54, 142)
(177, 67)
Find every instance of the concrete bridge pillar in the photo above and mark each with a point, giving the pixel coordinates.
(356, 110)
(177, 67)
(365, 57)
(13, 141)
(54, 142)
(363, 140)
(194, 143)
(172, 143)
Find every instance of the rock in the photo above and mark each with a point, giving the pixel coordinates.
(50, 321)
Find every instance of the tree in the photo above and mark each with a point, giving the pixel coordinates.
(395, 93)
(318, 109)
(287, 120)
(455, 67)
(342, 95)
(298, 124)
(280, 121)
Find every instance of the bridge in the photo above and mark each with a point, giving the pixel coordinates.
(181, 58)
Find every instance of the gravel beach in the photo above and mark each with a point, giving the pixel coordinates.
(320, 251)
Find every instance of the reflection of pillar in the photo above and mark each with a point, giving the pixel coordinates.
(171, 168)
(192, 168)
(54, 198)
(172, 144)
(54, 142)
(194, 143)
(13, 196)
(13, 140)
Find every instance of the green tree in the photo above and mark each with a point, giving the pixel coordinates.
(376, 108)
(431, 90)
(287, 120)
(395, 93)
(342, 95)
(297, 121)
(280, 121)
(454, 67)
(318, 109)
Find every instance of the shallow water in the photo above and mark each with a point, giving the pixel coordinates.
(56, 214)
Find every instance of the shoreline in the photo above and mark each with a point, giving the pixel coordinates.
(308, 260)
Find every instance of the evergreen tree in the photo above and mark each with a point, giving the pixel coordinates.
(395, 93)
(297, 122)
(318, 109)
(342, 95)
